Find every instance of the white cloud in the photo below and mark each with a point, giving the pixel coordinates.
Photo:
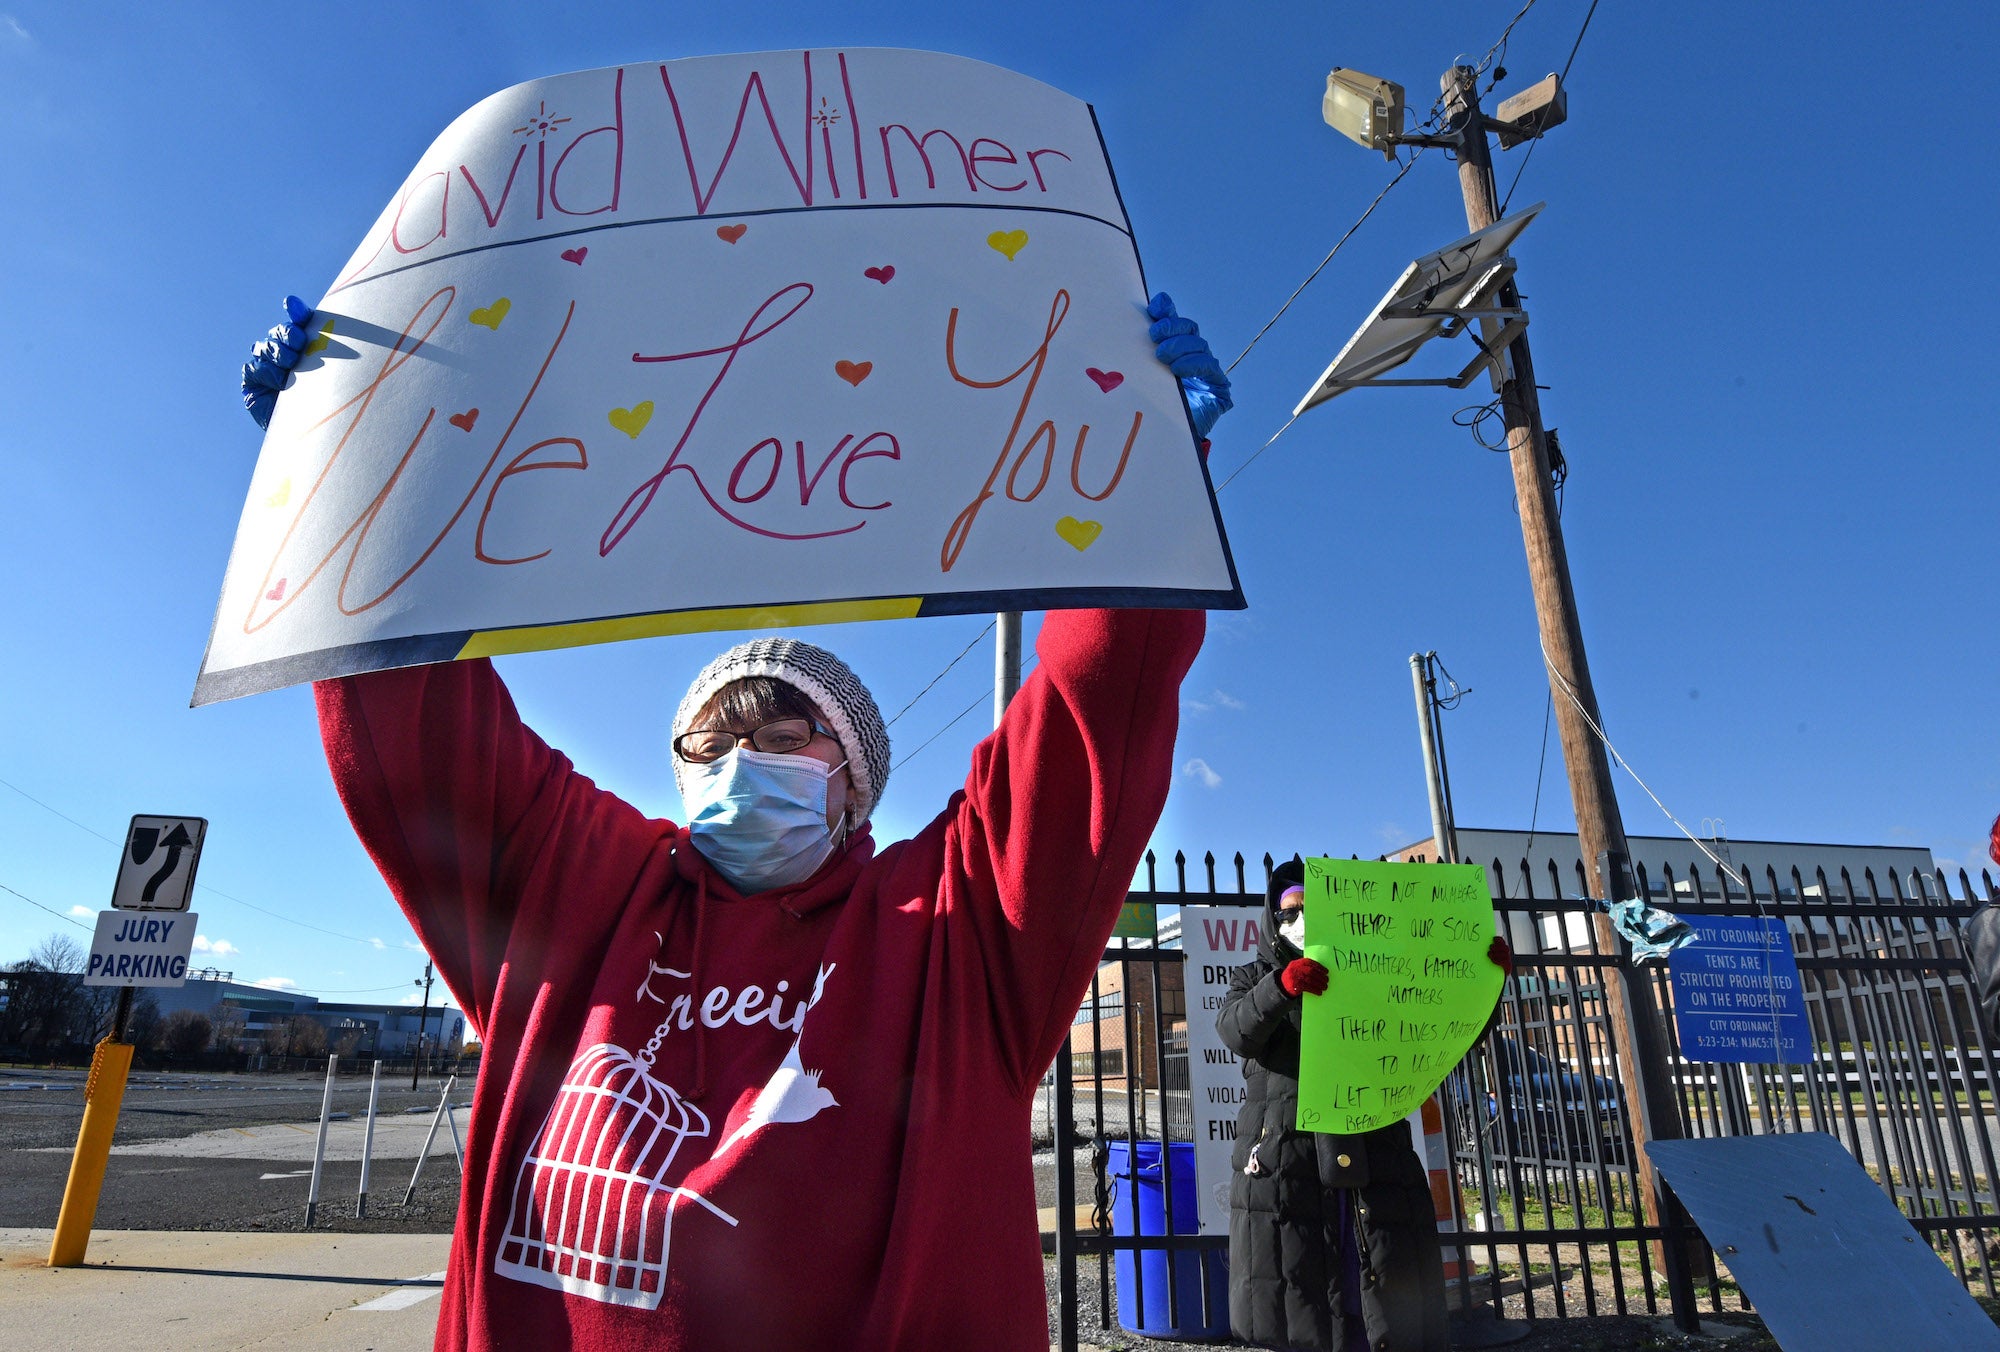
(13, 34)
(413, 999)
(1199, 769)
(276, 983)
(379, 945)
(80, 910)
(1217, 699)
(221, 948)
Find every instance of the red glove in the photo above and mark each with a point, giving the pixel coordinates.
(1501, 954)
(1303, 976)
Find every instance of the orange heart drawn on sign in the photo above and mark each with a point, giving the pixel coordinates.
(491, 315)
(1009, 242)
(1080, 535)
(853, 372)
(729, 234)
(464, 421)
(632, 421)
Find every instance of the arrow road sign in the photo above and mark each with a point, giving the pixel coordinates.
(156, 872)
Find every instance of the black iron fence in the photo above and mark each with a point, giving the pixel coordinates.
(1546, 1218)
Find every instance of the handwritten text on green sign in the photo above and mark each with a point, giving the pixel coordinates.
(1409, 987)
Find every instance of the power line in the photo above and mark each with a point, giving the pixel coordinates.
(206, 887)
(1562, 81)
(941, 675)
(50, 909)
(983, 698)
(1407, 165)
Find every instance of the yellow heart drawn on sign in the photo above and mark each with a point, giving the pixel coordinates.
(1009, 242)
(282, 496)
(491, 315)
(632, 421)
(322, 342)
(1079, 534)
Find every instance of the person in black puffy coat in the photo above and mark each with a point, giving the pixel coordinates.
(1333, 1245)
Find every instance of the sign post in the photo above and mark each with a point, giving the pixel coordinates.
(129, 950)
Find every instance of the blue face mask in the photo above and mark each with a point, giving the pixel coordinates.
(760, 818)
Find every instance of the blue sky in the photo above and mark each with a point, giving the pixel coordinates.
(1755, 303)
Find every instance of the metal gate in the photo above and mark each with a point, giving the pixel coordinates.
(1547, 1221)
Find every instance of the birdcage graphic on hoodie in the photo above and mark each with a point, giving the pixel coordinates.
(592, 1213)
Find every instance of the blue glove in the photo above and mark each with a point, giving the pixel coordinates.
(271, 361)
(1187, 354)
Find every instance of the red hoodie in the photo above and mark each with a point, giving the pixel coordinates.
(797, 1120)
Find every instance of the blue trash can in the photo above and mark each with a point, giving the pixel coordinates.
(1152, 1317)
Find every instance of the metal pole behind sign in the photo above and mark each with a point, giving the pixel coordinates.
(368, 1142)
(319, 1145)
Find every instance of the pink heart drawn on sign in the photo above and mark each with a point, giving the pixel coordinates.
(881, 274)
(1106, 380)
(853, 372)
(729, 234)
(464, 421)
(276, 593)
(575, 256)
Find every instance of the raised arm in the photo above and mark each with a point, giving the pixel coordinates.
(456, 800)
(1061, 800)
(1256, 1007)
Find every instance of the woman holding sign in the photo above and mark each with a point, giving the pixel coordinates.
(752, 1082)
(1333, 1244)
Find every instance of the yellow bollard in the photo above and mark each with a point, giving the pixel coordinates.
(102, 1095)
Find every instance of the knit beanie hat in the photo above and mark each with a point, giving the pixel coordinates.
(822, 678)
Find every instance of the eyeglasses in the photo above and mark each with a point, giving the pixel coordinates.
(784, 737)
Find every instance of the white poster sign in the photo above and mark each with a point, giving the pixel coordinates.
(723, 342)
(135, 949)
(1215, 939)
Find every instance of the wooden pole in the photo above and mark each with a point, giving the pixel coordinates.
(1634, 1015)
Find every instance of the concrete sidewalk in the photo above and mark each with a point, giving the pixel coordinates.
(151, 1290)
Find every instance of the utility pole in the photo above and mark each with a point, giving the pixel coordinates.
(1444, 838)
(1006, 660)
(417, 1056)
(1642, 1068)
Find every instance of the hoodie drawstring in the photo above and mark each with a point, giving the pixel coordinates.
(700, 1024)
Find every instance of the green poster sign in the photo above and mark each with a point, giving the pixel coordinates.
(1409, 987)
(1137, 920)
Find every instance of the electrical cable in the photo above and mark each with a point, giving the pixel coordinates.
(206, 887)
(1407, 166)
(1562, 82)
(38, 905)
(1254, 454)
(941, 675)
(984, 696)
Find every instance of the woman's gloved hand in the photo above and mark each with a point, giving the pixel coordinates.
(272, 359)
(1303, 976)
(1187, 354)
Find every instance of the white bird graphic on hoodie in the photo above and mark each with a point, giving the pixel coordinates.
(792, 1094)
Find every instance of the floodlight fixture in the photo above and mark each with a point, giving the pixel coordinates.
(1534, 110)
(1364, 108)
